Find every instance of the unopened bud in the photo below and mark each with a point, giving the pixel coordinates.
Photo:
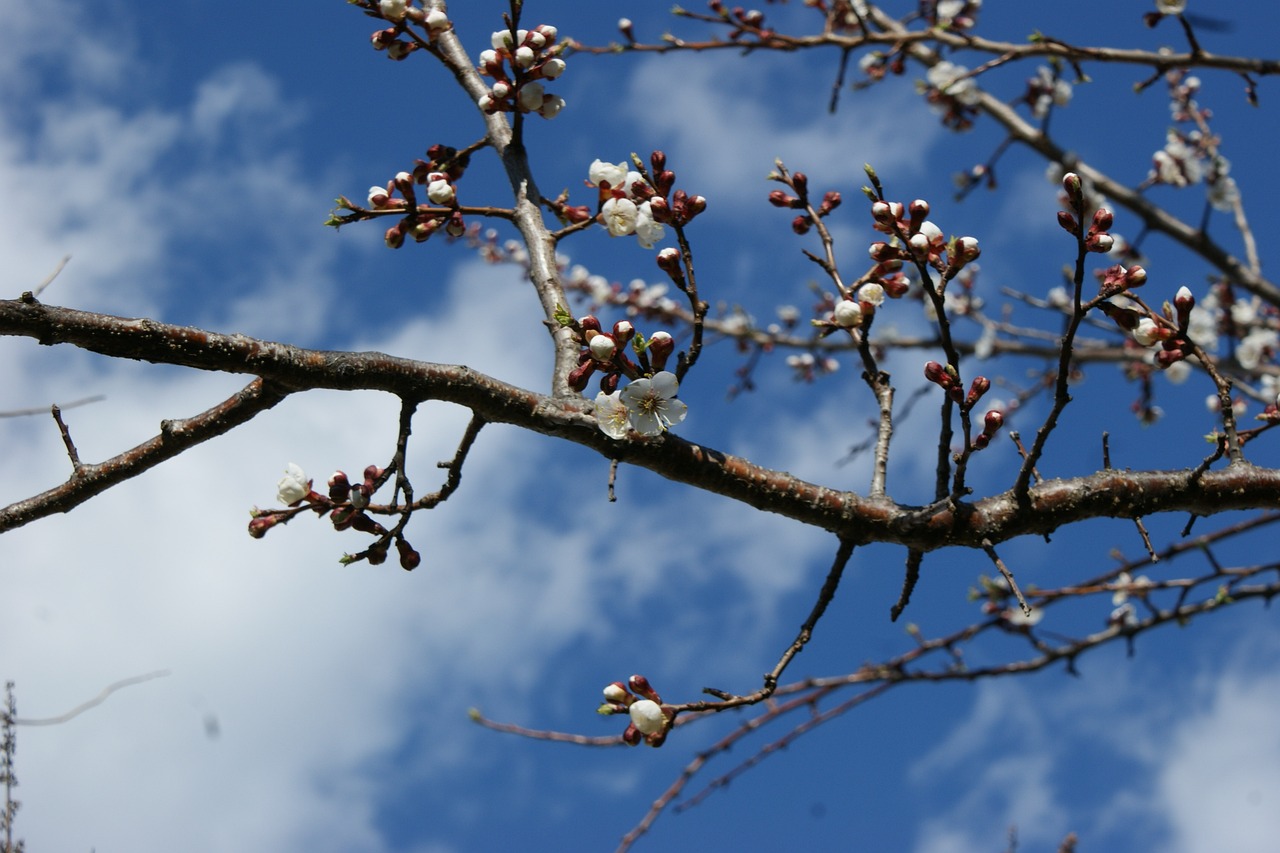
(977, 388)
(847, 314)
(661, 345)
(1074, 188)
(1068, 222)
(409, 558)
(640, 686)
(339, 487)
(602, 347)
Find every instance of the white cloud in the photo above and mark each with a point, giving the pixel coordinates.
(1218, 782)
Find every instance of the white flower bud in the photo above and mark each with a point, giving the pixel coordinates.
(440, 192)
(1147, 332)
(872, 294)
(602, 347)
(647, 716)
(293, 486)
(847, 314)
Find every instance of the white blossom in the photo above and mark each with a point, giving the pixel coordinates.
(531, 96)
(1147, 332)
(648, 232)
(393, 10)
(1250, 351)
(612, 415)
(652, 403)
(620, 216)
(872, 294)
(293, 486)
(1171, 7)
(945, 77)
(440, 191)
(647, 716)
(847, 314)
(600, 172)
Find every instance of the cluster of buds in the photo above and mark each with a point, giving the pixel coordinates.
(646, 405)
(744, 21)
(634, 203)
(948, 379)
(1169, 329)
(951, 93)
(346, 504)
(1097, 238)
(440, 210)
(798, 183)
(924, 241)
(650, 719)
(518, 63)
(852, 311)
(402, 13)
(606, 353)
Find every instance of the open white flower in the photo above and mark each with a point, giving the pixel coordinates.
(620, 216)
(614, 174)
(293, 486)
(652, 404)
(612, 415)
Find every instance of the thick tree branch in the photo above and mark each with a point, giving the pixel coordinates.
(1048, 505)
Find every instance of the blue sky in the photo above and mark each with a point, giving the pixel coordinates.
(186, 162)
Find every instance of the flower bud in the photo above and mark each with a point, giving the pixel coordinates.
(937, 374)
(977, 388)
(617, 693)
(640, 686)
(1068, 222)
(1100, 243)
(1135, 276)
(647, 716)
(259, 525)
(339, 487)
(992, 422)
(377, 554)
(847, 314)
(1074, 188)
(602, 347)
(409, 558)
(394, 238)
(1102, 220)
(661, 345)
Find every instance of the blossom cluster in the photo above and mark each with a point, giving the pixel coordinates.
(924, 244)
(402, 13)
(439, 175)
(1045, 91)
(347, 505)
(952, 94)
(633, 203)
(956, 15)
(646, 405)
(650, 719)
(518, 63)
